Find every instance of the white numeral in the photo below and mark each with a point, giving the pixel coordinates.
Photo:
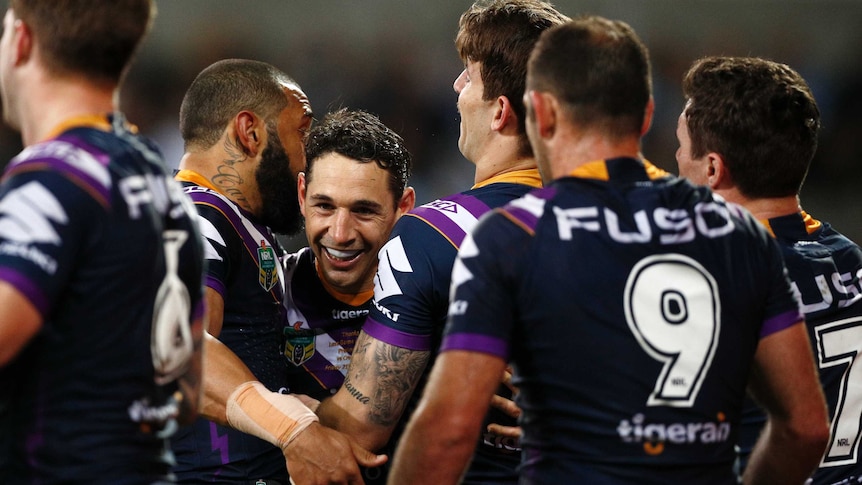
(840, 343)
(673, 309)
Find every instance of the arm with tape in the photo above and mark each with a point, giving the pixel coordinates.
(314, 453)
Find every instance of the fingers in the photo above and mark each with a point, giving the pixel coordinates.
(506, 431)
(365, 457)
(310, 402)
(507, 406)
(507, 380)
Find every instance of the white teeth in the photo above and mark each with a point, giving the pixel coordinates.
(341, 254)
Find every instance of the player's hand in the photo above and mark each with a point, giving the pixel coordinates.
(508, 407)
(310, 402)
(323, 456)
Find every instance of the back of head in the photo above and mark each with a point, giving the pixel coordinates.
(500, 34)
(361, 136)
(759, 115)
(224, 89)
(599, 71)
(94, 38)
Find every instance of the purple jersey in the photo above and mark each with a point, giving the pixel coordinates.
(411, 294)
(244, 264)
(101, 240)
(320, 336)
(631, 304)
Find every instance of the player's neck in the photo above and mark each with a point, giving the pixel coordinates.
(50, 102)
(763, 208)
(225, 177)
(569, 150)
(501, 158)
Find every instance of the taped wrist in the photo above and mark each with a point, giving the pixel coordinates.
(277, 418)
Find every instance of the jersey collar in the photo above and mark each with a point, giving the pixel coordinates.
(528, 176)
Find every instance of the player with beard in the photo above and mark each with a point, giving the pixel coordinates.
(244, 125)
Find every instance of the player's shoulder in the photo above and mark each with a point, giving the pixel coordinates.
(68, 157)
(524, 212)
(297, 261)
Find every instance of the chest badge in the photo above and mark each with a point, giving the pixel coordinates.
(299, 344)
(266, 261)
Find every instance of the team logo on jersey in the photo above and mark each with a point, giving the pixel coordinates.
(299, 344)
(266, 261)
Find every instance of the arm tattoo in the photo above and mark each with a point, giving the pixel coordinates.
(397, 371)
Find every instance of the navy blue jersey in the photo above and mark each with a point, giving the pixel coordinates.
(244, 264)
(101, 240)
(826, 272)
(322, 331)
(630, 304)
(411, 294)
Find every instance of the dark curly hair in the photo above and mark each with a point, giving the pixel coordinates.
(360, 136)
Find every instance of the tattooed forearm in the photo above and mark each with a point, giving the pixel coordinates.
(398, 371)
(355, 392)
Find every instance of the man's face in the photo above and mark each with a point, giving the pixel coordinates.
(691, 168)
(277, 185)
(282, 159)
(294, 124)
(349, 212)
(475, 112)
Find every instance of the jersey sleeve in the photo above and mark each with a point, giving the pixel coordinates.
(47, 215)
(484, 283)
(783, 307)
(411, 286)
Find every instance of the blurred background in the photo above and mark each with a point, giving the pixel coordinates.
(396, 58)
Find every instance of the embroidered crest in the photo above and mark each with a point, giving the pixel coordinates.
(266, 261)
(299, 344)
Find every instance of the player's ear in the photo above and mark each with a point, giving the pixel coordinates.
(544, 109)
(648, 113)
(407, 201)
(249, 130)
(22, 41)
(504, 115)
(717, 174)
(301, 190)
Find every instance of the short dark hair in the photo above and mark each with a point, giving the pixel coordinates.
(500, 34)
(759, 115)
(224, 89)
(360, 136)
(97, 38)
(599, 70)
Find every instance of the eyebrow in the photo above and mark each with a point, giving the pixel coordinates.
(361, 203)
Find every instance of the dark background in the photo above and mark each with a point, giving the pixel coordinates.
(396, 58)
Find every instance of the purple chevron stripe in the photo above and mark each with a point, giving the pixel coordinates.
(26, 286)
(434, 214)
(397, 338)
(477, 343)
(779, 322)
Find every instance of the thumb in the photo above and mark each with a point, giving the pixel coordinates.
(366, 458)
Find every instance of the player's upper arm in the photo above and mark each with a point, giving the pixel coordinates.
(214, 311)
(784, 381)
(379, 383)
(19, 322)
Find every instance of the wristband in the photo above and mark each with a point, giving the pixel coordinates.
(276, 418)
